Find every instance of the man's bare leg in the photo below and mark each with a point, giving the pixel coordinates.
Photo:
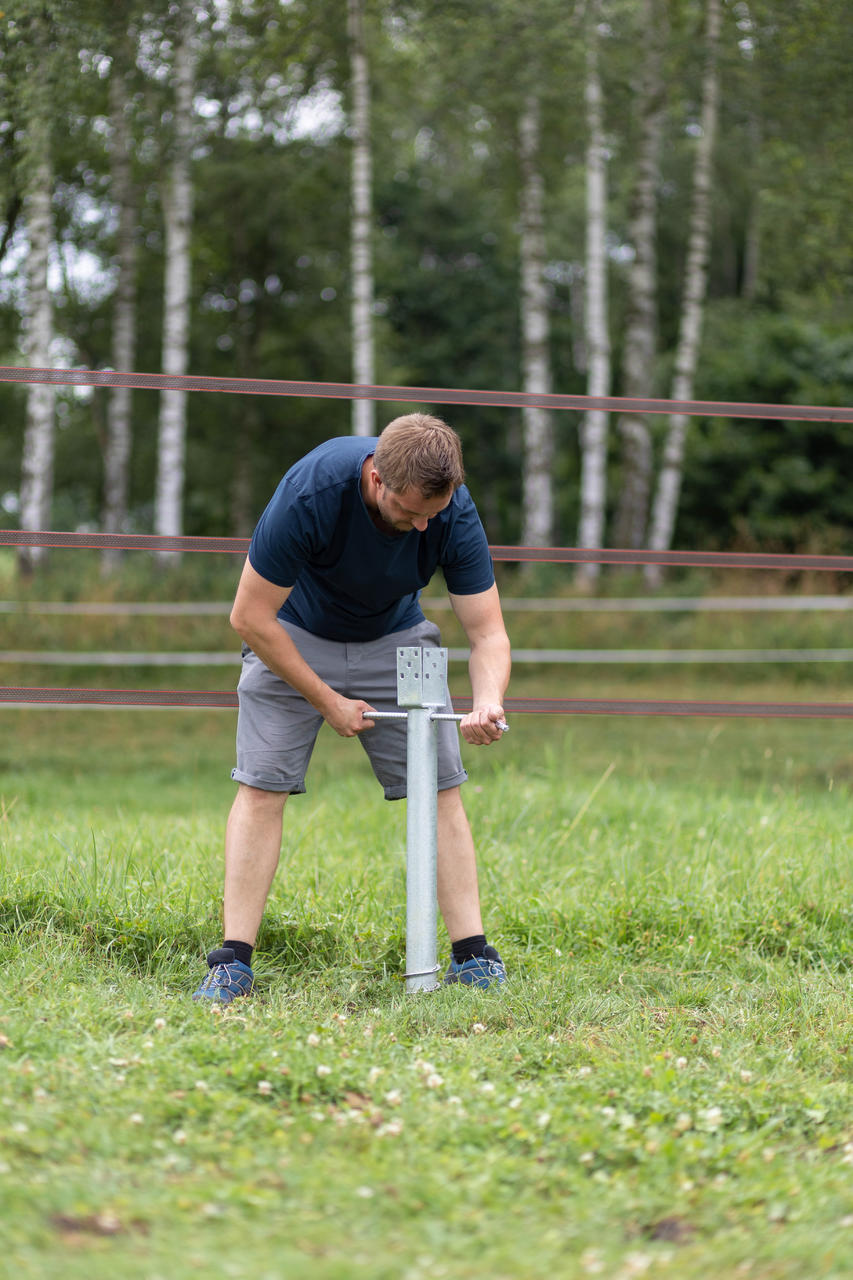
(458, 892)
(252, 850)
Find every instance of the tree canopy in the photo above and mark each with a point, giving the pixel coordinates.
(270, 266)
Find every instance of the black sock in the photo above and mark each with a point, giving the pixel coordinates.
(466, 948)
(242, 951)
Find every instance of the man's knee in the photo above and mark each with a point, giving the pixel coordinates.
(257, 799)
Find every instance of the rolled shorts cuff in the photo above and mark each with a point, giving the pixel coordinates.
(444, 784)
(268, 784)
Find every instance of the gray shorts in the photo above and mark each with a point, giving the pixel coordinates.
(277, 728)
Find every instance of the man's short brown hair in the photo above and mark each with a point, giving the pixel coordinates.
(419, 452)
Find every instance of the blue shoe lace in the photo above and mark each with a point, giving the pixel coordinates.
(478, 971)
(226, 978)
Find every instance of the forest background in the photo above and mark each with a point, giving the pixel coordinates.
(626, 197)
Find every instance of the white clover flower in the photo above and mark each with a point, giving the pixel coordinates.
(426, 1068)
(179, 1136)
(712, 1117)
(323, 1070)
(514, 1103)
(434, 1081)
(312, 1040)
(159, 1024)
(592, 1262)
(608, 1112)
(487, 1087)
(374, 1073)
(680, 1063)
(683, 1122)
(746, 1076)
(584, 1071)
(478, 1028)
(393, 1097)
(637, 1264)
(586, 1157)
(716, 1051)
(264, 1086)
(392, 1129)
(543, 1119)
(364, 1193)
(202, 1086)
(136, 1118)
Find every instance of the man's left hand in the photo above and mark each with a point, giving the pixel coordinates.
(482, 725)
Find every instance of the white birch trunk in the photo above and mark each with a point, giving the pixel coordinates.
(752, 240)
(629, 526)
(171, 447)
(594, 428)
(695, 284)
(37, 460)
(537, 424)
(117, 450)
(361, 245)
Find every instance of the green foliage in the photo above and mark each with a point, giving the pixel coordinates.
(271, 238)
(771, 484)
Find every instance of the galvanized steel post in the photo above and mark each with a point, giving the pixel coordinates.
(421, 687)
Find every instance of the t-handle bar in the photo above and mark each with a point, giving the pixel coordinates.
(435, 715)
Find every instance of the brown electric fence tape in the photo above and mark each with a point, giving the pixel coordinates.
(430, 395)
(552, 555)
(18, 696)
(421, 395)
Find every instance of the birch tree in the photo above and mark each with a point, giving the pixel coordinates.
(39, 436)
(594, 426)
(361, 229)
(178, 204)
(641, 328)
(693, 301)
(118, 442)
(537, 424)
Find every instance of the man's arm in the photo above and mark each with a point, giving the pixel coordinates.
(254, 619)
(489, 664)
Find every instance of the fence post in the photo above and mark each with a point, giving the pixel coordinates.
(421, 687)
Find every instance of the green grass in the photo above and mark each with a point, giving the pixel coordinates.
(663, 1089)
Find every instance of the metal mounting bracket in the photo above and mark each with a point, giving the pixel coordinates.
(421, 677)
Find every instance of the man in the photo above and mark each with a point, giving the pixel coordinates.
(330, 588)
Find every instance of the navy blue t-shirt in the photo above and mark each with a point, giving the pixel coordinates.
(350, 581)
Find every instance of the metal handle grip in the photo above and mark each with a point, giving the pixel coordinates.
(436, 715)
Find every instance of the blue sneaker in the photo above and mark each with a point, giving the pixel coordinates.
(487, 970)
(226, 978)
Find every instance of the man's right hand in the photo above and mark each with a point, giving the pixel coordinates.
(348, 716)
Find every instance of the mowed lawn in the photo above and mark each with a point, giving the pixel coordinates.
(664, 1088)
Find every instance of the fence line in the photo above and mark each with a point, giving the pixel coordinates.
(510, 604)
(544, 555)
(611, 657)
(422, 395)
(184, 698)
